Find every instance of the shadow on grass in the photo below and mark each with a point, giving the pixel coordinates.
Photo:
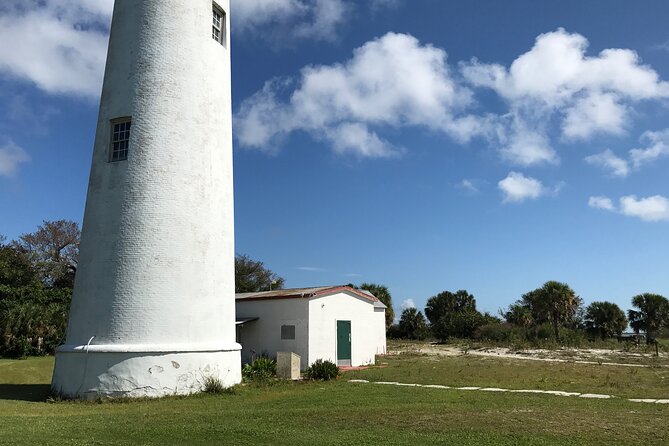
(25, 392)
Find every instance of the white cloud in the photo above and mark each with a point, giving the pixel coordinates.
(611, 162)
(652, 209)
(307, 19)
(527, 147)
(408, 303)
(11, 156)
(378, 5)
(468, 185)
(60, 46)
(603, 203)
(311, 269)
(595, 113)
(658, 148)
(517, 188)
(588, 95)
(344, 103)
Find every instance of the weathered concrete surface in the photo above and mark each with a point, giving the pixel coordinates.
(288, 365)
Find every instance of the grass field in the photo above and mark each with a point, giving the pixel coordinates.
(356, 414)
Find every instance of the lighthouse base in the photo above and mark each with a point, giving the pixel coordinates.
(141, 371)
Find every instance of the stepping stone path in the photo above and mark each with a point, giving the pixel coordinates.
(499, 390)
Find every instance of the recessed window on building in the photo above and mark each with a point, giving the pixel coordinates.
(287, 332)
(120, 141)
(218, 32)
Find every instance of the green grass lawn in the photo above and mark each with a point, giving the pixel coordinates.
(629, 382)
(336, 413)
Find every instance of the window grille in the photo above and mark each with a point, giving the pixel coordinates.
(218, 32)
(120, 141)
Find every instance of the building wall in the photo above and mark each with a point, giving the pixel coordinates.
(264, 335)
(380, 322)
(324, 312)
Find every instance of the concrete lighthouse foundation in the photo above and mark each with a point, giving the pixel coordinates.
(153, 310)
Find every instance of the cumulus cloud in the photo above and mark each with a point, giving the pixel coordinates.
(658, 147)
(11, 156)
(650, 209)
(408, 303)
(588, 95)
(610, 161)
(517, 188)
(59, 46)
(603, 203)
(307, 19)
(346, 103)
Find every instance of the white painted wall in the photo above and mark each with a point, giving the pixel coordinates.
(325, 311)
(264, 335)
(156, 270)
(380, 323)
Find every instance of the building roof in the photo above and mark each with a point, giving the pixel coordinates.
(307, 293)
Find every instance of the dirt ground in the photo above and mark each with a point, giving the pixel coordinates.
(613, 357)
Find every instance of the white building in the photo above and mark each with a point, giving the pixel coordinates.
(153, 310)
(339, 324)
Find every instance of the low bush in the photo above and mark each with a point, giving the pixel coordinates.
(502, 333)
(261, 370)
(322, 371)
(214, 386)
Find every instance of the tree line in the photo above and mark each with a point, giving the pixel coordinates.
(37, 272)
(553, 312)
(36, 279)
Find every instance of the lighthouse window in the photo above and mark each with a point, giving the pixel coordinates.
(120, 140)
(218, 28)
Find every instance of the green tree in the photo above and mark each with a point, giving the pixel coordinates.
(519, 315)
(446, 302)
(453, 315)
(53, 251)
(605, 319)
(15, 268)
(382, 293)
(651, 315)
(251, 276)
(555, 303)
(412, 324)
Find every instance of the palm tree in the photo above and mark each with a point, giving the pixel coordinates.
(605, 319)
(554, 302)
(412, 324)
(652, 314)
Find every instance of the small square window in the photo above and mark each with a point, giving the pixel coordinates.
(218, 31)
(288, 332)
(120, 141)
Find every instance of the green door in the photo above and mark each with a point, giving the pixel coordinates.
(344, 343)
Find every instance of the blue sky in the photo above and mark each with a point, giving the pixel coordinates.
(424, 144)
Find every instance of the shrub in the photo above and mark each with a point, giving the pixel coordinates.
(322, 371)
(496, 332)
(214, 386)
(261, 370)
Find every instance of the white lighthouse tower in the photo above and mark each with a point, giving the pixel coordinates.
(153, 311)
